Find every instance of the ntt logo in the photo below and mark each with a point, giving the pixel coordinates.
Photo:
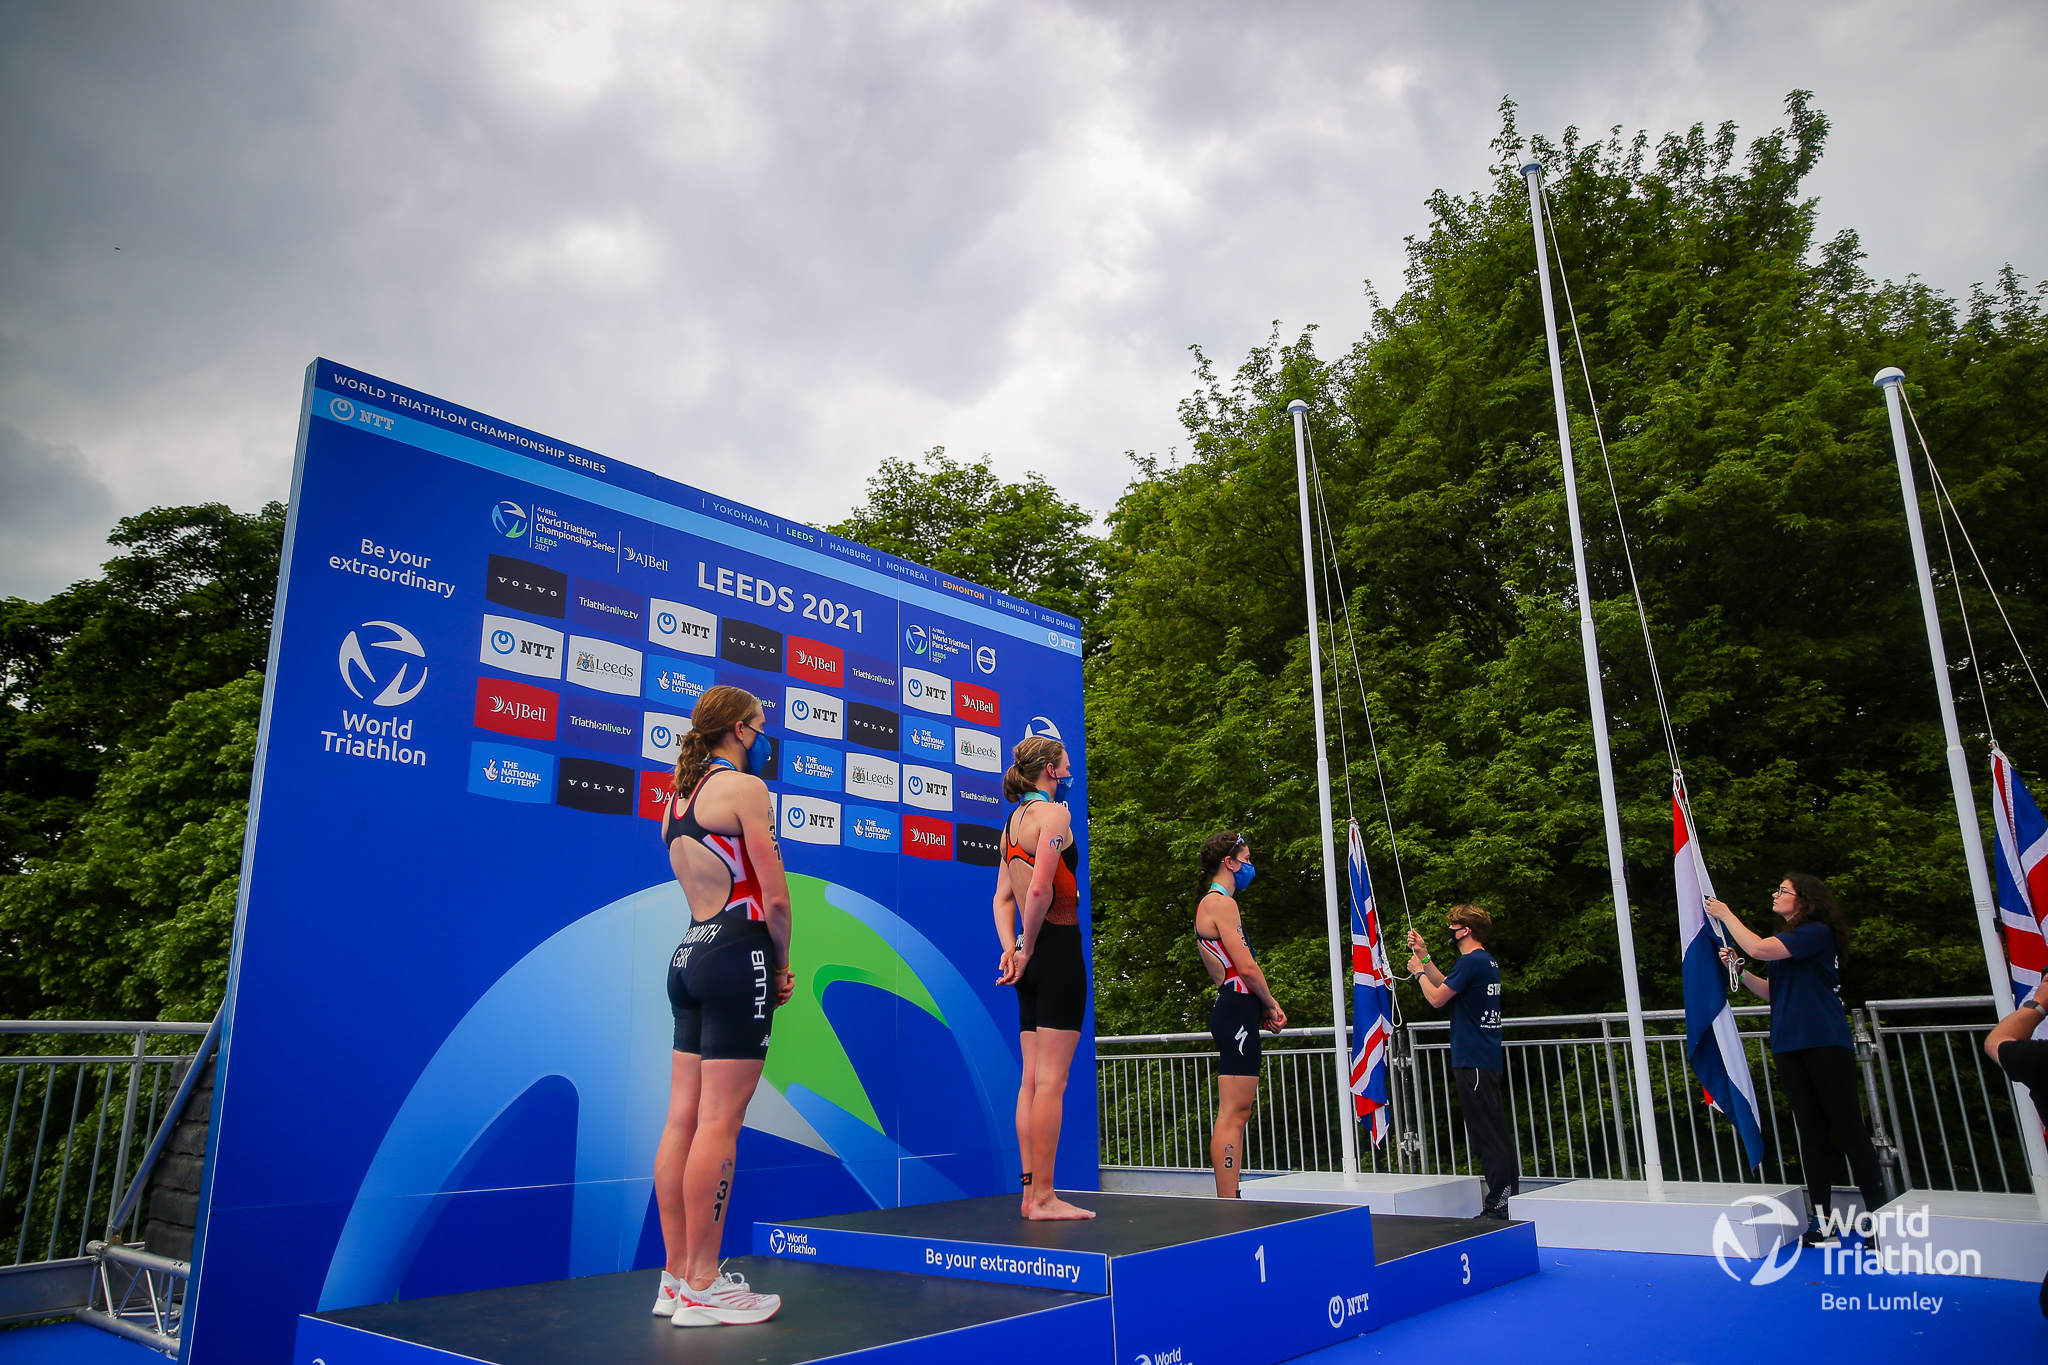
(800, 708)
(797, 819)
(342, 408)
(503, 641)
(916, 688)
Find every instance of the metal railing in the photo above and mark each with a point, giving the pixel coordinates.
(85, 1098)
(1940, 1114)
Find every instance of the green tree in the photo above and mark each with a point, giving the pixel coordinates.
(134, 918)
(960, 518)
(1732, 357)
(88, 676)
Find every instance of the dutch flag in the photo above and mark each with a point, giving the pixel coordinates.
(1372, 998)
(1711, 1041)
(2022, 875)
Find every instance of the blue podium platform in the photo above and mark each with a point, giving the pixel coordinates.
(830, 1313)
(1186, 1278)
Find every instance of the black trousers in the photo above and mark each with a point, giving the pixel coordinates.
(1820, 1084)
(1486, 1123)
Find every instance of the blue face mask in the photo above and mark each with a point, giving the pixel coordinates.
(1245, 873)
(1062, 789)
(758, 754)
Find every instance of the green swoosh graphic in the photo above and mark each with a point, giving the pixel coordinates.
(828, 945)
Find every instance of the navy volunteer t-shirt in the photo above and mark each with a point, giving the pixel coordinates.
(1806, 992)
(1475, 1011)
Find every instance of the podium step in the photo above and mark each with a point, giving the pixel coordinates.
(828, 1313)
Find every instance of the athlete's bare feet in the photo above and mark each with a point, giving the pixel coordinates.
(1054, 1210)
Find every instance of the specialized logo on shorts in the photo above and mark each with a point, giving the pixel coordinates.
(877, 779)
(661, 735)
(510, 774)
(873, 829)
(923, 691)
(873, 727)
(871, 677)
(602, 665)
(924, 837)
(813, 713)
(743, 642)
(654, 793)
(808, 820)
(978, 704)
(607, 607)
(927, 788)
(601, 725)
(513, 708)
(531, 588)
(978, 750)
(979, 845)
(811, 765)
(681, 627)
(389, 681)
(978, 793)
(927, 739)
(603, 788)
(677, 682)
(814, 661)
(521, 647)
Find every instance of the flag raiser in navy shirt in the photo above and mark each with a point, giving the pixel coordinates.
(1474, 981)
(1806, 991)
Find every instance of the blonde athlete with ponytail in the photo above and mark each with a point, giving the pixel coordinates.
(1042, 957)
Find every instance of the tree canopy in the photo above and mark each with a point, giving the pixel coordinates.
(1732, 356)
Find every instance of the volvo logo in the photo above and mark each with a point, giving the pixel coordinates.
(985, 658)
(354, 663)
(510, 520)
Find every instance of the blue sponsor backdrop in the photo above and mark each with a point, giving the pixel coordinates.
(446, 1056)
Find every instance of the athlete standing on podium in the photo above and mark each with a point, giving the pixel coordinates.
(1244, 1004)
(724, 982)
(1042, 957)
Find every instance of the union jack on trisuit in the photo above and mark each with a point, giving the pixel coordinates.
(1712, 1044)
(2022, 875)
(1372, 998)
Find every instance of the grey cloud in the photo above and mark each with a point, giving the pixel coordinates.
(760, 247)
(54, 516)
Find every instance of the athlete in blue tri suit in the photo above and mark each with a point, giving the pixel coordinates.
(1244, 1003)
(725, 980)
(1814, 1052)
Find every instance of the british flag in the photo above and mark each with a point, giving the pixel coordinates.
(2022, 875)
(1372, 997)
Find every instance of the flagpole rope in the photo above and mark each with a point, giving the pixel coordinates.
(1614, 491)
(1943, 496)
(1358, 672)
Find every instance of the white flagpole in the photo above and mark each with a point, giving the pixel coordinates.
(1338, 968)
(1639, 1052)
(1889, 379)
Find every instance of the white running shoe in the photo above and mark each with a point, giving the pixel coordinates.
(728, 1301)
(665, 1301)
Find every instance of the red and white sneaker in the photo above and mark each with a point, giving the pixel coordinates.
(665, 1301)
(727, 1302)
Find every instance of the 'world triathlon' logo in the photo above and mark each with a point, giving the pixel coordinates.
(510, 520)
(1770, 1214)
(356, 665)
(914, 640)
(777, 1240)
(1039, 726)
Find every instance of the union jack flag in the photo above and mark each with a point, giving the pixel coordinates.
(2022, 875)
(1372, 996)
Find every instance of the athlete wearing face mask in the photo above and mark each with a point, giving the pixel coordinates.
(1244, 1004)
(1472, 990)
(725, 980)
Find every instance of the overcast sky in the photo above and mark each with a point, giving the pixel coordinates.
(759, 246)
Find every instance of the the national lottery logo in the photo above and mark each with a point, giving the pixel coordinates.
(509, 519)
(397, 685)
